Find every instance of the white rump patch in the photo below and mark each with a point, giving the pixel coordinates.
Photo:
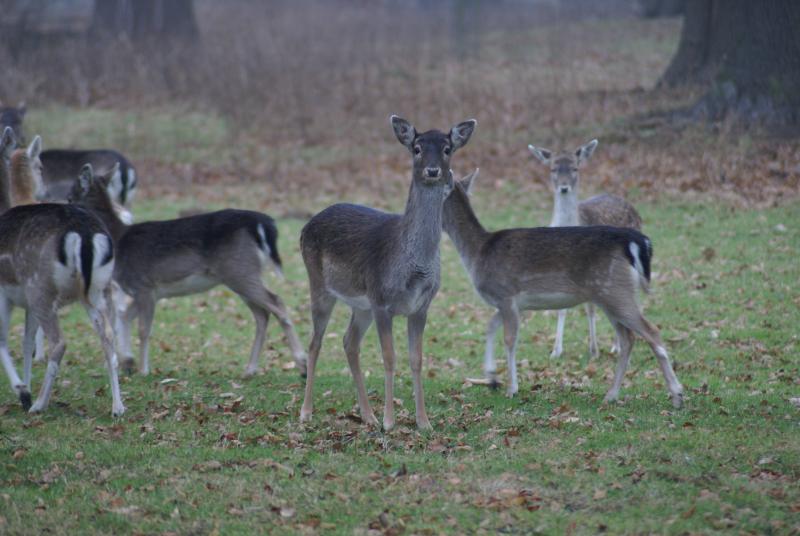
(634, 249)
(115, 185)
(132, 184)
(265, 252)
(64, 275)
(101, 273)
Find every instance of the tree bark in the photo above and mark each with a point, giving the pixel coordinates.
(748, 51)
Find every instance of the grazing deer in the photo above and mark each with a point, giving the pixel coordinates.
(601, 209)
(553, 268)
(13, 117)
(165, 259)
(52, 255)
(62, 166)
(382, 265)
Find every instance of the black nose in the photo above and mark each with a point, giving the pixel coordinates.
(432, 172)
(564, 189)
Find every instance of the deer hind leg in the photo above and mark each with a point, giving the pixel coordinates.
(650, 333)
(321, 307)
(39, 349)
(360, 321)
(31, 346)
(145, 309)
(124, 316)
(489, 366)
(558, 346)
(591, 315)
(48, 319)
(383, 321)
(416, 328)
(261, 317)
(19, 387)
(626, 340)
(101, 313)
(510, 328)
(252, 290)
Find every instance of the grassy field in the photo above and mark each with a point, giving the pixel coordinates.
(202, 450)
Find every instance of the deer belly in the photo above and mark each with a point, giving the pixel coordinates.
(356, 302)
(193, 284)
(547, 300)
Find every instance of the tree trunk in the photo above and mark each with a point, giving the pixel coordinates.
(748, 51)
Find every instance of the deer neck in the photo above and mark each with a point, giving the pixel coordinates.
(463, 227)
(104, 209)
(22, 183)
(565, 209)
(421, 227)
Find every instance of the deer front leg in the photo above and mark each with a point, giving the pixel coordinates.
(383, 321)
(416, 327)
(558, 347)
(30, 345)
(510, 328)
(489, 366)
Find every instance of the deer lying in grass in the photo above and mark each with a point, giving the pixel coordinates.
(601, 209)
(165, 259)
(50, 256)
(382, 265)
(554, 268)
(62, 166)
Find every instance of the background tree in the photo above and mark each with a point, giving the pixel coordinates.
(144, 20)
(748, 51)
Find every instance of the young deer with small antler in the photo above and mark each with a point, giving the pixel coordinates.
(603, 209)
(185, 256)
(382, 265)
(553, 268)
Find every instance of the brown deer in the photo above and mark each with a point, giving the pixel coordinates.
(603, 209)
(165, 259)
(554, 268)
(382, 265)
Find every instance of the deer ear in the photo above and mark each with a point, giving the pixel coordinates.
(585, 152)
(35, 148)
(542, 155)
(8, 142)
(404, 131)
(460, 134)
(468, 182)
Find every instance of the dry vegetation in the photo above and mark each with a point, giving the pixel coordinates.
(302, 95)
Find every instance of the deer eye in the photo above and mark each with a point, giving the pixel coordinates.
(417, 150)
(447, 150)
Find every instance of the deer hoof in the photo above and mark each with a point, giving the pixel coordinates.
(25, 400)
(677, 400)
(128, 366)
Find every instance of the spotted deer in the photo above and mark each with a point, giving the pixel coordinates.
(185, 256)
(603, 209)
(52, 255)
(382, 265)
(554, 268)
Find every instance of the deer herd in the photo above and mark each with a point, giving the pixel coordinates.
(66, 236)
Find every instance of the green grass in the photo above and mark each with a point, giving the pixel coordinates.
(213, 453)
